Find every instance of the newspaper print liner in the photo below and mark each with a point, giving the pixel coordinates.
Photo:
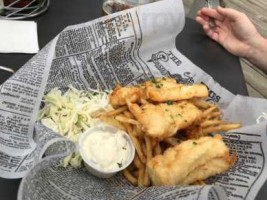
(126, 47)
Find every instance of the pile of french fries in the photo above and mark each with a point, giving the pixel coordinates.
(147, 147)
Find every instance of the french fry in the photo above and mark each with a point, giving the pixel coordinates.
(139, 131)
(140, 172)
(138, 148)
(157, 150)
(223, 127)
(143, 146)
(227, 127)
(154, 142)
(126, 120)
(214, 115)
(127, 174)
(141, 176)
(116, 111)
(137, 162)
(208, 111)
(202, 104)
(113, 122)
(134, 131)
(144, 101)
(128, 114)
(146, 178)
(207, 123)
(216, 118)
(149, 156)
(129, 128)
(171, 141)
(148, 148)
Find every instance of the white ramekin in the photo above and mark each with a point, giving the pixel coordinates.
(91, 166)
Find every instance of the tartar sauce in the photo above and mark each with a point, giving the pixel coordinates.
(108, 150)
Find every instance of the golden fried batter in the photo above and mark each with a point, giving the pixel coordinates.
(162, 90)
(165, 119)
(190, 161)
(120, 94)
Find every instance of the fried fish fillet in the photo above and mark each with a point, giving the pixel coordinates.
(162, 90)
(164, 120)
(191, 161)
(120, 94)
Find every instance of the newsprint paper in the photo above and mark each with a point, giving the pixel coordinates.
(126, 47)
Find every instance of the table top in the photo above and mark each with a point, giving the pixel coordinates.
(192, 42)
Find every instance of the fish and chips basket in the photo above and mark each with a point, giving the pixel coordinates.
(129, 48)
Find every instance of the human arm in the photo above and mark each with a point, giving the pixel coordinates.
(236, 33)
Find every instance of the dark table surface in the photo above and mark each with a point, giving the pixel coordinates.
(192, 42)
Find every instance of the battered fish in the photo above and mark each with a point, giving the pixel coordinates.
(162, 90)
(191, 161)
(120, 94)
(165, 119)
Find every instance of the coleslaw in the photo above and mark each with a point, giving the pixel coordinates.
(70, 114)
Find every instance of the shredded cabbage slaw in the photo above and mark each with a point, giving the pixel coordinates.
(70, 114)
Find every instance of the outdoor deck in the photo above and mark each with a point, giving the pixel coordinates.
(256, 80)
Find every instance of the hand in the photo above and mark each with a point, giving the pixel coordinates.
(236, 33)
(230, 28)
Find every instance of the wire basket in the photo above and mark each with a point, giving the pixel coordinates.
(22, 9)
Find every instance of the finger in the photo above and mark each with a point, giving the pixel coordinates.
(201, 21)
(229, 12)
(212, 13)
(215, 36)
(206, 29)
(211, 33)
(211, 23)
(203, 16)
(200, 14)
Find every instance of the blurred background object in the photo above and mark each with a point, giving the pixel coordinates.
(7, 69)
(22, 9)
(198, 4)
(112, 6)
(5, 73)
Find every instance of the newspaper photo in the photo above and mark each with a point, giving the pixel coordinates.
(128, 47)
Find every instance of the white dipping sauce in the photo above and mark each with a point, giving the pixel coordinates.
(108, 150)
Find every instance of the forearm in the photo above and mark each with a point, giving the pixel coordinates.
(258, 53)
